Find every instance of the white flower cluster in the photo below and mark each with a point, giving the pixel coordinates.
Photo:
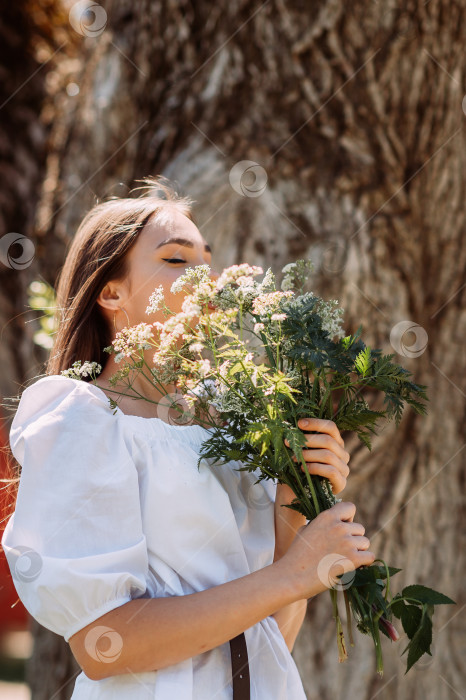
(232, 275)
(269, 302)
(296, 273)
(190, 307)
(202, 368)
(191, 276)
(155, 300)
(236, 286)
(78, 370)
(268, 282)
(128, 340)
(332, 317)
(174, 328)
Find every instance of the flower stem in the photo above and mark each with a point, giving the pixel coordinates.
(342, 653)
(378, 647)
(348, 618)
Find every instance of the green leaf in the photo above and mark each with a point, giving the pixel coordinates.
(297, 440)
(365, 439)
(397, 606)
(371, 592)
(363, 361)
(411, 617)
(426, 595)
(420, 643)
(365, 575)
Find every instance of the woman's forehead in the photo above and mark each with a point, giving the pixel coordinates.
(167, 225)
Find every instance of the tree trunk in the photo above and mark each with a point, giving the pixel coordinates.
(352, 116)
(22, 161)
(29, 42)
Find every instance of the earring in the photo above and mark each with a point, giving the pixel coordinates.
(127, 317)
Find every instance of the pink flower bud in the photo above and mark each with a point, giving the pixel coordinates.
(390, 629)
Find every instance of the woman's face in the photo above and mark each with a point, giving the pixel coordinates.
(161, 254)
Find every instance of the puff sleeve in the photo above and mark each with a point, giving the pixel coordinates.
(74, 543)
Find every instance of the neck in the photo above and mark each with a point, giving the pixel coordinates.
(136, 392)
(137, 395)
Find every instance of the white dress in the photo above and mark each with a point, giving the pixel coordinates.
(112, 507)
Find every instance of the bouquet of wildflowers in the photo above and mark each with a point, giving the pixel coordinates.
(264, 358)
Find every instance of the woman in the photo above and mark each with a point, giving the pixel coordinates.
(147, 566)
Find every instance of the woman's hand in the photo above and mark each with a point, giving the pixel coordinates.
(328, 546)
(324, 453)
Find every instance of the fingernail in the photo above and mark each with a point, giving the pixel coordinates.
(304, 422)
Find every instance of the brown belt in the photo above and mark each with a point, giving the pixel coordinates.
(240, 668)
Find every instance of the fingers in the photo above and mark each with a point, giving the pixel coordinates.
(322, 440)
(333, 474)
(322, 425)
(326, 463)
(356, 529)
(366, 558)
(345, 510)
(361, 543)
(325, 448)
(326, 457)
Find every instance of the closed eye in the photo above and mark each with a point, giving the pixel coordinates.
(173, 260)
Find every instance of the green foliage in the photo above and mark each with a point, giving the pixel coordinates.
(422, 594)
(362, 362)
(414, 607)
(41, 297)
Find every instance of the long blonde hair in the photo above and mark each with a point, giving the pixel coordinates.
(97, 254)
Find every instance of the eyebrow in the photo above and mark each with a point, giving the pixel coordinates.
(183, 242)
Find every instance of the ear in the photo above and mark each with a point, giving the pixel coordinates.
(112, 296)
